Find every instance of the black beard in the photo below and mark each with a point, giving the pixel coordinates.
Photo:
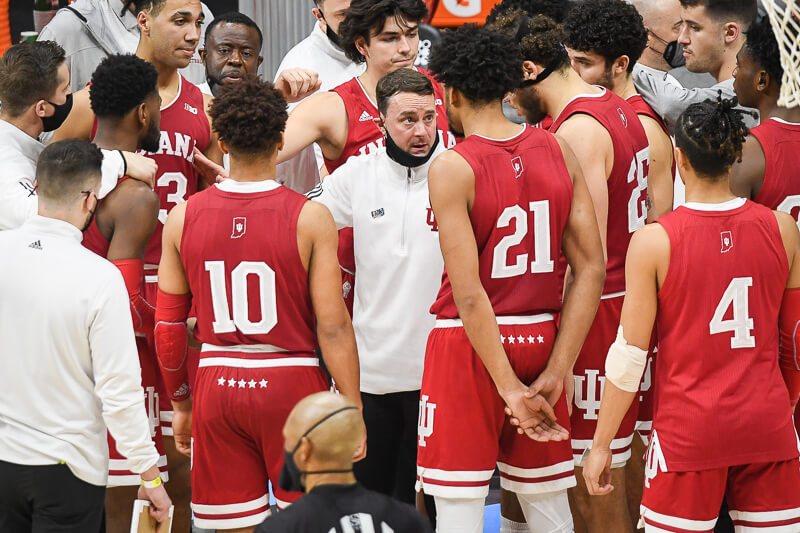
(152, 141)
(530, 105)
(214, 84)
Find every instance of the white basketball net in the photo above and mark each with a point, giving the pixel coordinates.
(784, 16)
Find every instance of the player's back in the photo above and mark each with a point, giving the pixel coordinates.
(780, 141)
(240, 254)
(627, 183)
(523, 196)
(720, 398)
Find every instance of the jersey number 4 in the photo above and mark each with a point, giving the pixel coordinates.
(543, 262)
(736, 297)
(240, 299)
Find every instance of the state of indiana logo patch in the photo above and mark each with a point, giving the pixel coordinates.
(239, 227)
(726, 240)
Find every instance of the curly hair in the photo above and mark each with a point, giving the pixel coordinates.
(249, 116)
(539, 37)
(364, 17)
(711, 134)
(482, 64)
(743, 11)
(29, 73)
(610, 28)
(120, 83)
(555, 9)
(763, 47)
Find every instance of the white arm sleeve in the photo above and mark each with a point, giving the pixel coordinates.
(117, 375)
(334, 192)
(18, 201)
(625, 364)
(112, 170)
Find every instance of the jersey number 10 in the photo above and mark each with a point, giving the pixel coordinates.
(239, 295)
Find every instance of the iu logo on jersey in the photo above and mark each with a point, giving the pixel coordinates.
(726, 240)
(432, 220)
(239, 227)
(516, 163)
(655, 461)
(622, 117)
(587, 398)
(425, 421)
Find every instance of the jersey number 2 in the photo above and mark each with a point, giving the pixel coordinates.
(541, 241)
(239, 294)
(735, 296)
(637, 208)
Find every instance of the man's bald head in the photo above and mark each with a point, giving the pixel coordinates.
(332, 443)
(662, 18)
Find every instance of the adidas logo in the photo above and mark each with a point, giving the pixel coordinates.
(365, 117)
(36, 245)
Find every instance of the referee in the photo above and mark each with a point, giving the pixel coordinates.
(321, 436)
(69, 362)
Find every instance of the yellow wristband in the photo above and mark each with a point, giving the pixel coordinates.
(152, 484)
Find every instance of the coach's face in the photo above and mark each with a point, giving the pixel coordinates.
(331, 13)
(231, 52)
(411, 122)
(703, 40)
(174, 32)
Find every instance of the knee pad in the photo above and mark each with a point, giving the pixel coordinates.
(547, 513)
(459, 515)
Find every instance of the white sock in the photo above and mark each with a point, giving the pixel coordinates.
(459, 515)
(509, 526)
(547, 513)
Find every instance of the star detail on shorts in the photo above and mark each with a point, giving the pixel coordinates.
(521, 339)
(531, 339)
(252, 384)
(231, 382)
(540, 339)
(502, 339)
(242, 383)
(263, 383)
(221, 381)
(511, 339)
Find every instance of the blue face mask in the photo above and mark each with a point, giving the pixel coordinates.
(291, 478)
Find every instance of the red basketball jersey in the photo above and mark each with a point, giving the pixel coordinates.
(239, 251)
(627, 184)
(720, 397)
(184, 126)
(523, 196)
(643, 108)
(780, 141)
(363, 136)
(93, 240)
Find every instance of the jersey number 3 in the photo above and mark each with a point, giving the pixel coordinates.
(736, 297)
(239, 295)
(543, 262)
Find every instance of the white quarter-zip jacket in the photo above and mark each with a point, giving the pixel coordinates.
(399, 264)
(69, 362)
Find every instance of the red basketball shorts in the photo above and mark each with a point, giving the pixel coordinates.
(463, 431)
(118, 473)
(241, 402)
(589, 373)
(762, 497)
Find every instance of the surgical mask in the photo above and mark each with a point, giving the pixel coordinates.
(61, 113)
(406, 159)
(291, 478)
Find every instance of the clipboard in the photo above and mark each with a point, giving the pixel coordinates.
(142, 522)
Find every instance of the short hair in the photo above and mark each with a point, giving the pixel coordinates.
(482, 64)
(120, 83)
(763, 47)
(66, 168)
(711, 134)
(743, 11)
(249, 116)
(234, 17)
(610, 28)
(404, 80)
(555, 9)
(29, 73)
(365, 16)
(154, 6)
(540, 38)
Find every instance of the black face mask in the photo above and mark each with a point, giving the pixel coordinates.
(673, 55)
(61, 113)
(332, 35)
(291, 478)
(402, 157)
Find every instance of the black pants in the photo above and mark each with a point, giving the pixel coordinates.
(45, 499)
(391, 464)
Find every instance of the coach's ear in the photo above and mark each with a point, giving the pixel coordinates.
(379, 122)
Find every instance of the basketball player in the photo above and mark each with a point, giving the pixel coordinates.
(125, 100)
(510, 202)
(384, 35)
(610, 143)
(259, 297)
(604, 39)
(720, 277)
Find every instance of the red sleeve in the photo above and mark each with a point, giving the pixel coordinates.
(172, 342)
(790, 336)
(142, 312)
